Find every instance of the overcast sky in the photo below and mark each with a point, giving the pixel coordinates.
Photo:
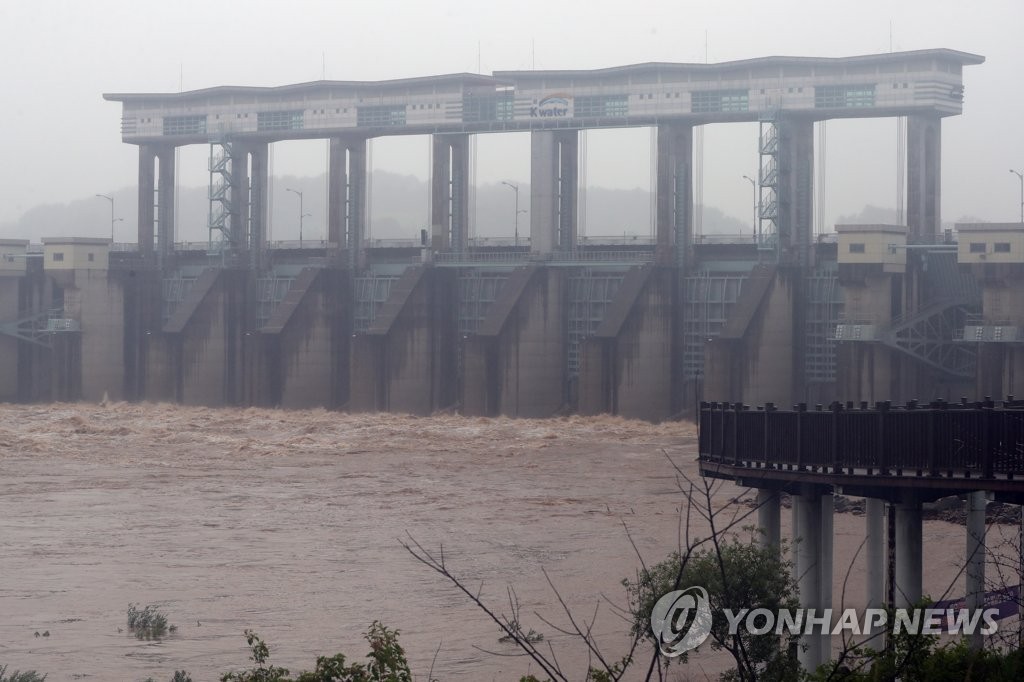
(61, 140)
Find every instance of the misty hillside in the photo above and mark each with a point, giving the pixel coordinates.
(399, 210)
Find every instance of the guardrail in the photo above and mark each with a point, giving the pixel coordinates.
(948, 440)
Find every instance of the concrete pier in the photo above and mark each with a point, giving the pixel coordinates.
(908, 552)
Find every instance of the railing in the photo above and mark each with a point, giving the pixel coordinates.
(512, 257)
(948, 440)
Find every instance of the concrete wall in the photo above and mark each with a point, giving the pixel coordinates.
(96, 300)
(9, 297)
(307, 342)
(530, 350)
(406, 361)
(754, 359)
(627, 368)
(208, 345)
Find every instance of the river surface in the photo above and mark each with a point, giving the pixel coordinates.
(291, 522)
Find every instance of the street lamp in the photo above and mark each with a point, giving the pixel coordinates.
(301, 214)
(1020, 176)
(112, 218)
(515, 188)
(757, 202)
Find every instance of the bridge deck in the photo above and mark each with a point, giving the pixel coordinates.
(885, 451)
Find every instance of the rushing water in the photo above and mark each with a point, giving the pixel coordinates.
(290, 523)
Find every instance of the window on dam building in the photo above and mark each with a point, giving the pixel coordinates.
(279, 120)
(840, 96)
(601, 106)
(382, 115)
(185, 125)
(710, 101)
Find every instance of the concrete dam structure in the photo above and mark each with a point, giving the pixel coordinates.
(543, 324)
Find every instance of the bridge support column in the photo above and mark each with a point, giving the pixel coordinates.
(769, 517)
(813, 569)
(674, 220)
(147, 185)
(554, 180)
(976, 504)
(165, 202)
(449, 193)
(908, 552)
(795, 189)
(346, 210)
(924, 153)
(875, 554)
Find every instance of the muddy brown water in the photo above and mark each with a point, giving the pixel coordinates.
(290, 523)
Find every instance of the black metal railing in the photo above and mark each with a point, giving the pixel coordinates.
(965, 439)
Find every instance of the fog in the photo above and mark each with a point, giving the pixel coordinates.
(62, 140)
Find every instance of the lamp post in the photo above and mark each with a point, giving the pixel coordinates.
(757, 203)
(515, 188)
(301, 214)
(112, 219)
(1020, 176)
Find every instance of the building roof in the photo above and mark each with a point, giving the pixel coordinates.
(963, 58)
(471, 79)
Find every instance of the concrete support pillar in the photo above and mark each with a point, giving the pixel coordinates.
(908, 552)
(674, 220)
(924, 175)
(238, 222)
(796, 189)
(769, 517)
(337, 191)
(165, 202)
(259, 183)
(975, 557)
(827, 538)
(807, 509)
(568, 189)
(449, 193)
(875, 554)
(554, 179)
(147, 185)
(346, 211)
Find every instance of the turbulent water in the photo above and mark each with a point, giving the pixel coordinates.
(291, 523)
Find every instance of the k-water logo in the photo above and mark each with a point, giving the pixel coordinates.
(553, 106)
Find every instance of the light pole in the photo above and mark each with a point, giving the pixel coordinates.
(515, 188)
(301, 214)
(112, 219)
(757, 203)
(1020, 176)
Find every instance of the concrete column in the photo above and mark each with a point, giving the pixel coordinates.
(908, 552)
(259, 183)
(543, 191)
(975, 557)
(147, 182)
(825, 566)
(460, 193)
(440, 193)
(337, 191)
(449, 193)
(355, 226)
(769, 517)
(796, 188)
(238, 223)
(807, 509)
(165, 198)
(568, 189)
(875, 553)
(924, 175)
(674, 220)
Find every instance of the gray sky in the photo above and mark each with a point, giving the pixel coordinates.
(61, 141)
